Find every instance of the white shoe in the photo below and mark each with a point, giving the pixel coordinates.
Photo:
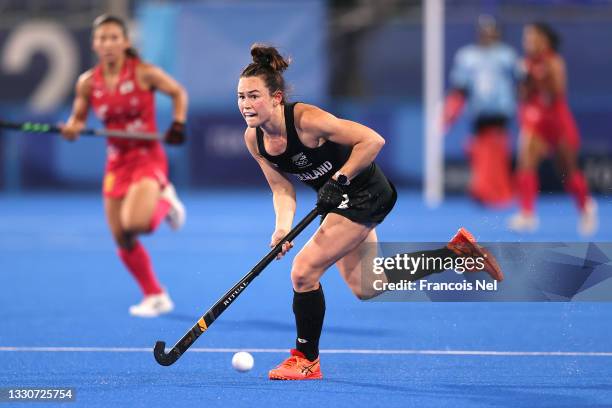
(153, 306)
(521, 222)
(176, 215)
(588, 221)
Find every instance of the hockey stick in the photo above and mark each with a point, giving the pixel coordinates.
(33, 127)
(226, 300)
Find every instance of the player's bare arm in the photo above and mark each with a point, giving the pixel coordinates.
(283, 193)
(558, 76)
(80, 107)
(155, 77)
(315, 123)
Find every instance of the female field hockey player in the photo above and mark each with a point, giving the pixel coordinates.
(547, 126)
(137, 193)
(336, 158)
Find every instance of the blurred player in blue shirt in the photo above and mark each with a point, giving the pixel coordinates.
(484, 75)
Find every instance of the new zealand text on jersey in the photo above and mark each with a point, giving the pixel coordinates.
(315, 173)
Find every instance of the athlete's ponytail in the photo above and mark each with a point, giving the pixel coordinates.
(269, 65)
(130, 52)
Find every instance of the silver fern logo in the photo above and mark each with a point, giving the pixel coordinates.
(300, 160)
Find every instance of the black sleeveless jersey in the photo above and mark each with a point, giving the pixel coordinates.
(313, 166)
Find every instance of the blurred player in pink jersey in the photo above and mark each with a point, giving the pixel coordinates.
(137, 193)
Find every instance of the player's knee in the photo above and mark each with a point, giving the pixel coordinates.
(363, 295)
(304, 275)
(125, 240)
(360, 292)
(362, 289)
(135, 225)
(353, 283)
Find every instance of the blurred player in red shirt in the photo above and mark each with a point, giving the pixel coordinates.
(547, 126)
(137, 193)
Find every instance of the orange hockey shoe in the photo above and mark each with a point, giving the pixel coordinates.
(297, 367)
(464, 244)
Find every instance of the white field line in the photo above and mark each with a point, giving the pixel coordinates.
(323, 351)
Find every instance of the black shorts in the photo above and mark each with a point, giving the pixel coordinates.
(371, 196)
(487, 121)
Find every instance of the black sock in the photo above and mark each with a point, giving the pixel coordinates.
(395, 276)
(309, 311)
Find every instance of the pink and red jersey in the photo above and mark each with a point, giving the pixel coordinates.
(539, 83)
(543, 112)
(127, 107)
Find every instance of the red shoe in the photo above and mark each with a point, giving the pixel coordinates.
(464, 244)
(297, 367)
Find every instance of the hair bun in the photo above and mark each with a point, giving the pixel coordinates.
(269, 56)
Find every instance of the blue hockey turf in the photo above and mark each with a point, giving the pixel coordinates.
(64, 322)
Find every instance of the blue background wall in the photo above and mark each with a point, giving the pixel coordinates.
(206, 44)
